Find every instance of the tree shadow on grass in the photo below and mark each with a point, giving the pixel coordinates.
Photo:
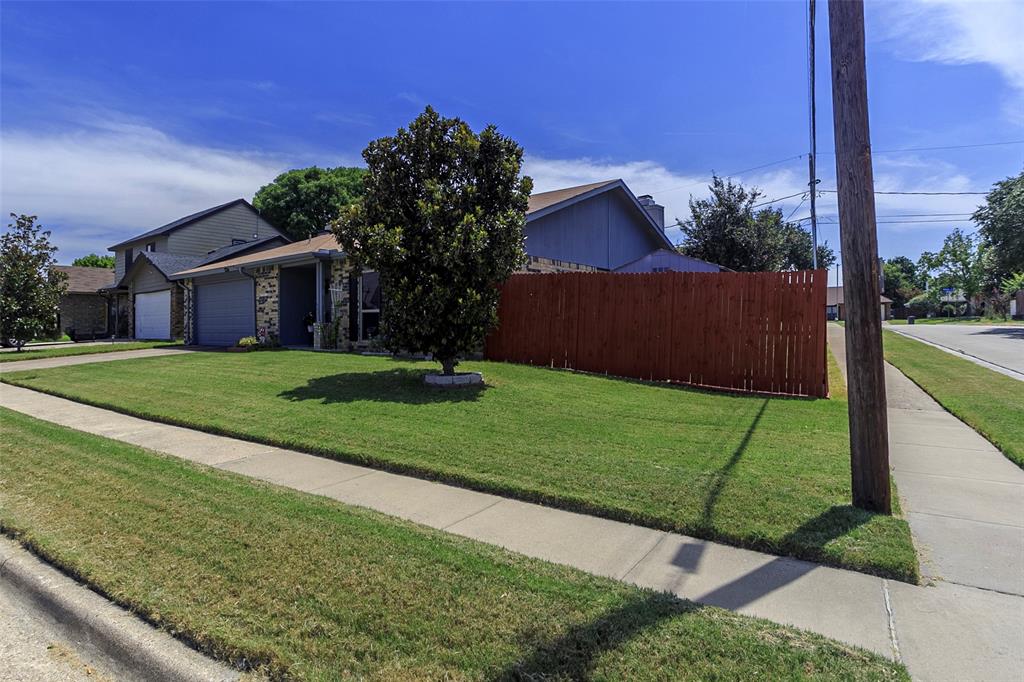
(573, 655)
(400, 385)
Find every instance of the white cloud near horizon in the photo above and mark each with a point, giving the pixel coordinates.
(101, 183)
(959, 32)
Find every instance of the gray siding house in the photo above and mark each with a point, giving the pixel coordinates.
(147, 304)
(278, 293)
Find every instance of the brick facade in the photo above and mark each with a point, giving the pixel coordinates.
(539, 264)
(340, 301)
(188, 331)
(83, 314)
(268, 301)
(177, 312)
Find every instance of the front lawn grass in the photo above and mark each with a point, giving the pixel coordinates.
(302, 587)
(28, 353)
(769, 473)
(990, 402)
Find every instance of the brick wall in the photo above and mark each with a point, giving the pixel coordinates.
(86, 314)
(340, 304)
(177, 312)
(268, 300)
(539, 264)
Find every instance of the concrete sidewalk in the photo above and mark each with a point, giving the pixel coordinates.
(941, 632)
(63, 361)
(963, 498)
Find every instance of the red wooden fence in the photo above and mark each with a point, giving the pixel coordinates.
(760, 331)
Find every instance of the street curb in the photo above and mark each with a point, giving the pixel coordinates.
(140, 649)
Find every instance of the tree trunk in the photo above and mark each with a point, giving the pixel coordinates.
(448, 365)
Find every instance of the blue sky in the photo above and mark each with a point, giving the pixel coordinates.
(120, 117)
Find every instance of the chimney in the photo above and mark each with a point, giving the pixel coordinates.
(655, 210)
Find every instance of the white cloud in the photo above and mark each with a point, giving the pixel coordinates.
(959, 32)
(96, 185)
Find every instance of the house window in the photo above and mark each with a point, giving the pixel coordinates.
(127, 259)
(661, 268)
(369, 306)
(151, 247)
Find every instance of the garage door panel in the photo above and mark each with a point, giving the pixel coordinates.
(224, 312)
(153, 315)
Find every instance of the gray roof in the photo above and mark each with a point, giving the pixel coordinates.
(181, 222)
(232, 249)
(169, 263)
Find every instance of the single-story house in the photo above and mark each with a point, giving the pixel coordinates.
(277, 293)
(83, 310)
(836, 310)
(147, 304)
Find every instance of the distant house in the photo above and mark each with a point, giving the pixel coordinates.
(84, 311)
(146, 303)
(835, 308)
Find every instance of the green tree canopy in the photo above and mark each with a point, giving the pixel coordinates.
(727, 230)
(304, 201)
(30, 289)
(1001, 220)
(94, 261)
(902, 281)
(442, 222)
(961, 264)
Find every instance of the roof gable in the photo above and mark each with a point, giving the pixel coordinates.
(546, 203)
(187, 220)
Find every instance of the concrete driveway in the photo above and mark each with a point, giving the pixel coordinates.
(1002, 347)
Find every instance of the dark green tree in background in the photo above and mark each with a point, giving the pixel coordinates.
(1001, 223)
(727, 230)
(30, 289)
(442, 223)
(902, 282)
(962, 264)
(94, 261)
(305, 201)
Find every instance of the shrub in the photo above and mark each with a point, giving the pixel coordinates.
(248, 342)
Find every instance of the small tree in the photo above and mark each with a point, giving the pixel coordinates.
(30, 289)
(94, 261)
(1001, 223)
(304, 201)
(442, 223)
(725, 229)
(961, 265)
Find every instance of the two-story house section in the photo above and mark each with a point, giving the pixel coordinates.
(148, 305)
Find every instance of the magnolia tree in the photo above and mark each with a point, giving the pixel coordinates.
(30, 289)
(441, 221)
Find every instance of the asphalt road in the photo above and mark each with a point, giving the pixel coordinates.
(33, 647)
(1000, 346)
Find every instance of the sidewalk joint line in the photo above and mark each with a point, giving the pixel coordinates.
(963, 518)
(646, 554)
(892, 622)
(957, 478)
(984, 589)
(344, 480)
(469, 516)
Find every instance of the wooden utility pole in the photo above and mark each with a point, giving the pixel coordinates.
(869, 436)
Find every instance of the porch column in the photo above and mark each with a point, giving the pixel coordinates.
(319, 290)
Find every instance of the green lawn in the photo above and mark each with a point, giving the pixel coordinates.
(960, 320)
(767, 473)
(990, 402)
(29, 353)
(302, 587)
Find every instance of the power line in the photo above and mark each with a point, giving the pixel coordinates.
(933, 149)
(775, 201)
(730, 175)
(832, 191)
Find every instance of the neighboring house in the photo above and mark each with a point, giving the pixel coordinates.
(147, 304)
(84, 311)
(600, 226)
(835, 309)
(274, 292)
(664, 260)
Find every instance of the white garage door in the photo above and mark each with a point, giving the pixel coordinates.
(153, 315)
